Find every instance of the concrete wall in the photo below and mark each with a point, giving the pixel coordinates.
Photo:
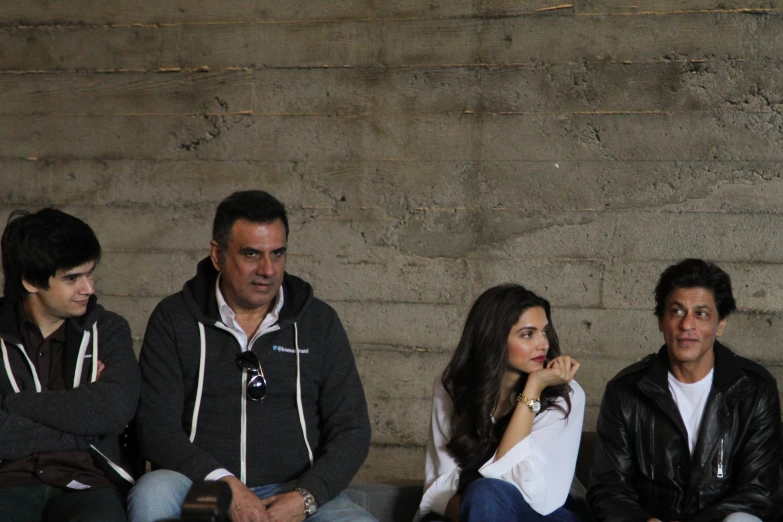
(426, 150)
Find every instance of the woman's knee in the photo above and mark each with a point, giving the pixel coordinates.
(490, 488)
(491, 499)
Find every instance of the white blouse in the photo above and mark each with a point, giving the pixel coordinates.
(541, 465)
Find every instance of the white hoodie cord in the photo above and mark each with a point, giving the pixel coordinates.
(94, 376)
(29, 363)
(7, 365)
(200, 389)
(299, 396)
(77, 374)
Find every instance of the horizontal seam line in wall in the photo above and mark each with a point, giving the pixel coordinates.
(479, 17)
(108, 159)
(248, 112)
(456, 304)
(368, 115)
(497, 65)
(372, 161)
(598, 210)
(201, 253)
(159, 70)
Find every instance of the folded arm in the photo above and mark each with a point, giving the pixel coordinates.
(21, 437)
(97, 408)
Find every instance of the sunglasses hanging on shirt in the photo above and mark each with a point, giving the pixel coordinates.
(256, 385)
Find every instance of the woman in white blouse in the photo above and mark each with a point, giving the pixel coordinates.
(506, 417)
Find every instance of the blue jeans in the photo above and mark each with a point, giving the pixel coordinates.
(494, 499)
(159, 496)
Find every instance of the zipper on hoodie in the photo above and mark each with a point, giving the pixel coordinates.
(243, 398)
(720, 460)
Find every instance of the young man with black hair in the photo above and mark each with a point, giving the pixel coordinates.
(69, 381)
(692, 433)
(248, 378)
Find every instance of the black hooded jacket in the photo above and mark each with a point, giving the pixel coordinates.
(88, 415)
(643, 468)
(192, 416)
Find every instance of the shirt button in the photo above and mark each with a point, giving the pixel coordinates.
(40, 472)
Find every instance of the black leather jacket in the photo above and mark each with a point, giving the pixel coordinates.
(643, 468)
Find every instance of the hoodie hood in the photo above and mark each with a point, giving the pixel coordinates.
(200, 298)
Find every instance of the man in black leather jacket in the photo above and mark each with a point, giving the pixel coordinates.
(692, 433)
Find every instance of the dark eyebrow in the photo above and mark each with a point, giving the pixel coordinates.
(280, 250)
(77, 274)
(531, 328)
(697, 307)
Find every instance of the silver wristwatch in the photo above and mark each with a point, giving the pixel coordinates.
(310, 505)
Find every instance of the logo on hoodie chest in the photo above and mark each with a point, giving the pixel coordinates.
(283, 349)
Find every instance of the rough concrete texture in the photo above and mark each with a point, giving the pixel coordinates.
(426, 151)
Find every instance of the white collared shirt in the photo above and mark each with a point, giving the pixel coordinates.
(228, 317)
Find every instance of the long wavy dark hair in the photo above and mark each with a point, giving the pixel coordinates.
(475, 373)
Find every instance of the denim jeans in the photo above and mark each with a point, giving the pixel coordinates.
(493, 499)
(159, 495)
(37, 502)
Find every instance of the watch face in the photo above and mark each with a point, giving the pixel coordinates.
(310, 509)
(536, 406)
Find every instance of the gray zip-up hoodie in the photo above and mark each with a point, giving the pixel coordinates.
(194, 419)
(89, 414)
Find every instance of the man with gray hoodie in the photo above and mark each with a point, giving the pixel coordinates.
(249, 379)
(69, 381)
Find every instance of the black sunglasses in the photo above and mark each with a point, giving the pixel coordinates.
(256, 386)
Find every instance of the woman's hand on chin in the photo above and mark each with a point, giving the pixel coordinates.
(560, 370)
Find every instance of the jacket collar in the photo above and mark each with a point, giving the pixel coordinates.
(726, 373)
(728, 380)
(655, 385)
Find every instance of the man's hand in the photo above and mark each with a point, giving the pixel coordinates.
(286, 507)
(98, 373)
(245, 505)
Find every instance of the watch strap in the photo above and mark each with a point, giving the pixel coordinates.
(310, 504)
(534, 405)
